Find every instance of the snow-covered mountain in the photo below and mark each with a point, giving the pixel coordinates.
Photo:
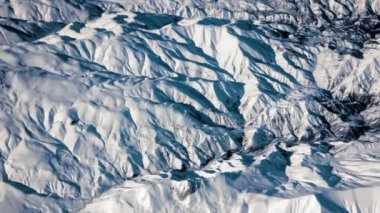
(189, 106)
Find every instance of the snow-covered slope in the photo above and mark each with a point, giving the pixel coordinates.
(218, 106)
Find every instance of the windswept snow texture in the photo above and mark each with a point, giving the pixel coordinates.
(189, 106)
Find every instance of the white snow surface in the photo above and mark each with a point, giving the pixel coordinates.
(189, 106)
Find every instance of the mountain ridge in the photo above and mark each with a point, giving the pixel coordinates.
(102, 99)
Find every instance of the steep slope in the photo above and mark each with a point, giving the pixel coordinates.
(15, 30)
(50, 11)
(219, 105)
